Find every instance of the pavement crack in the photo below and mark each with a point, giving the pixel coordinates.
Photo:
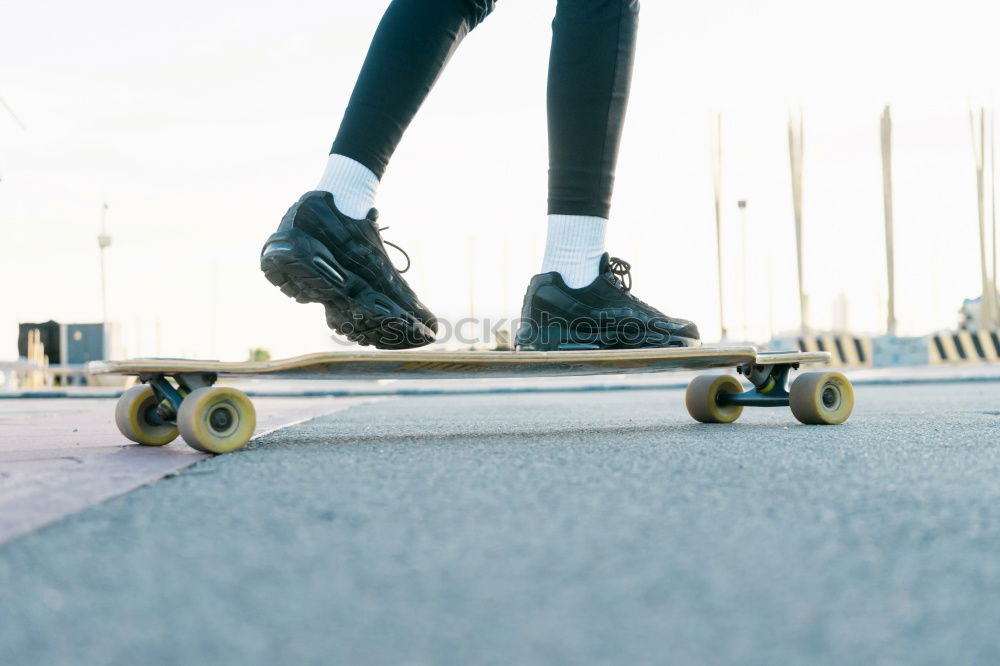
(30, 460)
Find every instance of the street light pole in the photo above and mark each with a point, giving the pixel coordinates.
(890, 262)
(742, 204)
(993, 213)
(717, 183)
(796, 150)
(104, 242)
(987, 303)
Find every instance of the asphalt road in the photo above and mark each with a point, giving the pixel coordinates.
(587, 528)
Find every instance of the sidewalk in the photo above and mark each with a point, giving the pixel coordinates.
(60, 456)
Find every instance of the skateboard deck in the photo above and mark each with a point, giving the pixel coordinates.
(177, 396)
(450, 364)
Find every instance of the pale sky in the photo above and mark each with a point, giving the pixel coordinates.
(200, 123)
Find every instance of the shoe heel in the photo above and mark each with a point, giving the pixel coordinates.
(303, 269)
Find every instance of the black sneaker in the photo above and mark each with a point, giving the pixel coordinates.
(602, 315)
(319, 255)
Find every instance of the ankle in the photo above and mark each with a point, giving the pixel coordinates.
(574, 247)
(352, 184)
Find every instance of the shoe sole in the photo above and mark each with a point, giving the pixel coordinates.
(305, 270)
(559, 339)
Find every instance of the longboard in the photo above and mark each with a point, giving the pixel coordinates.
(178, 396)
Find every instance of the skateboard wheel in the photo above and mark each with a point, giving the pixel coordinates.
(216, 419)
(132, 417)
(702, 398)
(821, 398)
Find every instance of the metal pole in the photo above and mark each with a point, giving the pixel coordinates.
(796, 150)
(13, 115)
(986, 302)
(742, 204)
(717, 182)
(890, 263)
(103, 242)
(993, 215)
(472, 289)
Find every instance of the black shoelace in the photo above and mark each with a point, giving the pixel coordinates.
(622, 270)
(401, 250)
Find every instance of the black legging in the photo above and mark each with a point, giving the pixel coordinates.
(590, 72)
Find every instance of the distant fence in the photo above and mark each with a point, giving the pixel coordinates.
(854, 351)
(964, 347)
(20, 375)
(846, 350)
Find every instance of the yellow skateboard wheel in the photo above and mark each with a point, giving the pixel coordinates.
(821, 398)
(702, 398)
(132, 418)
(217, 419)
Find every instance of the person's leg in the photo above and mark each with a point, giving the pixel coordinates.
(582, 298)
(590, 74)
(327, 248)
(411, 47)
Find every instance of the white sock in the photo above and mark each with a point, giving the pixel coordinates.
(352, 184)
(574, 247)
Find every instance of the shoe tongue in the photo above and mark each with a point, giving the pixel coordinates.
(605, 265)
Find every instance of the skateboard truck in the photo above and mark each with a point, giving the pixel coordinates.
(169, 397)
(770, 383)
